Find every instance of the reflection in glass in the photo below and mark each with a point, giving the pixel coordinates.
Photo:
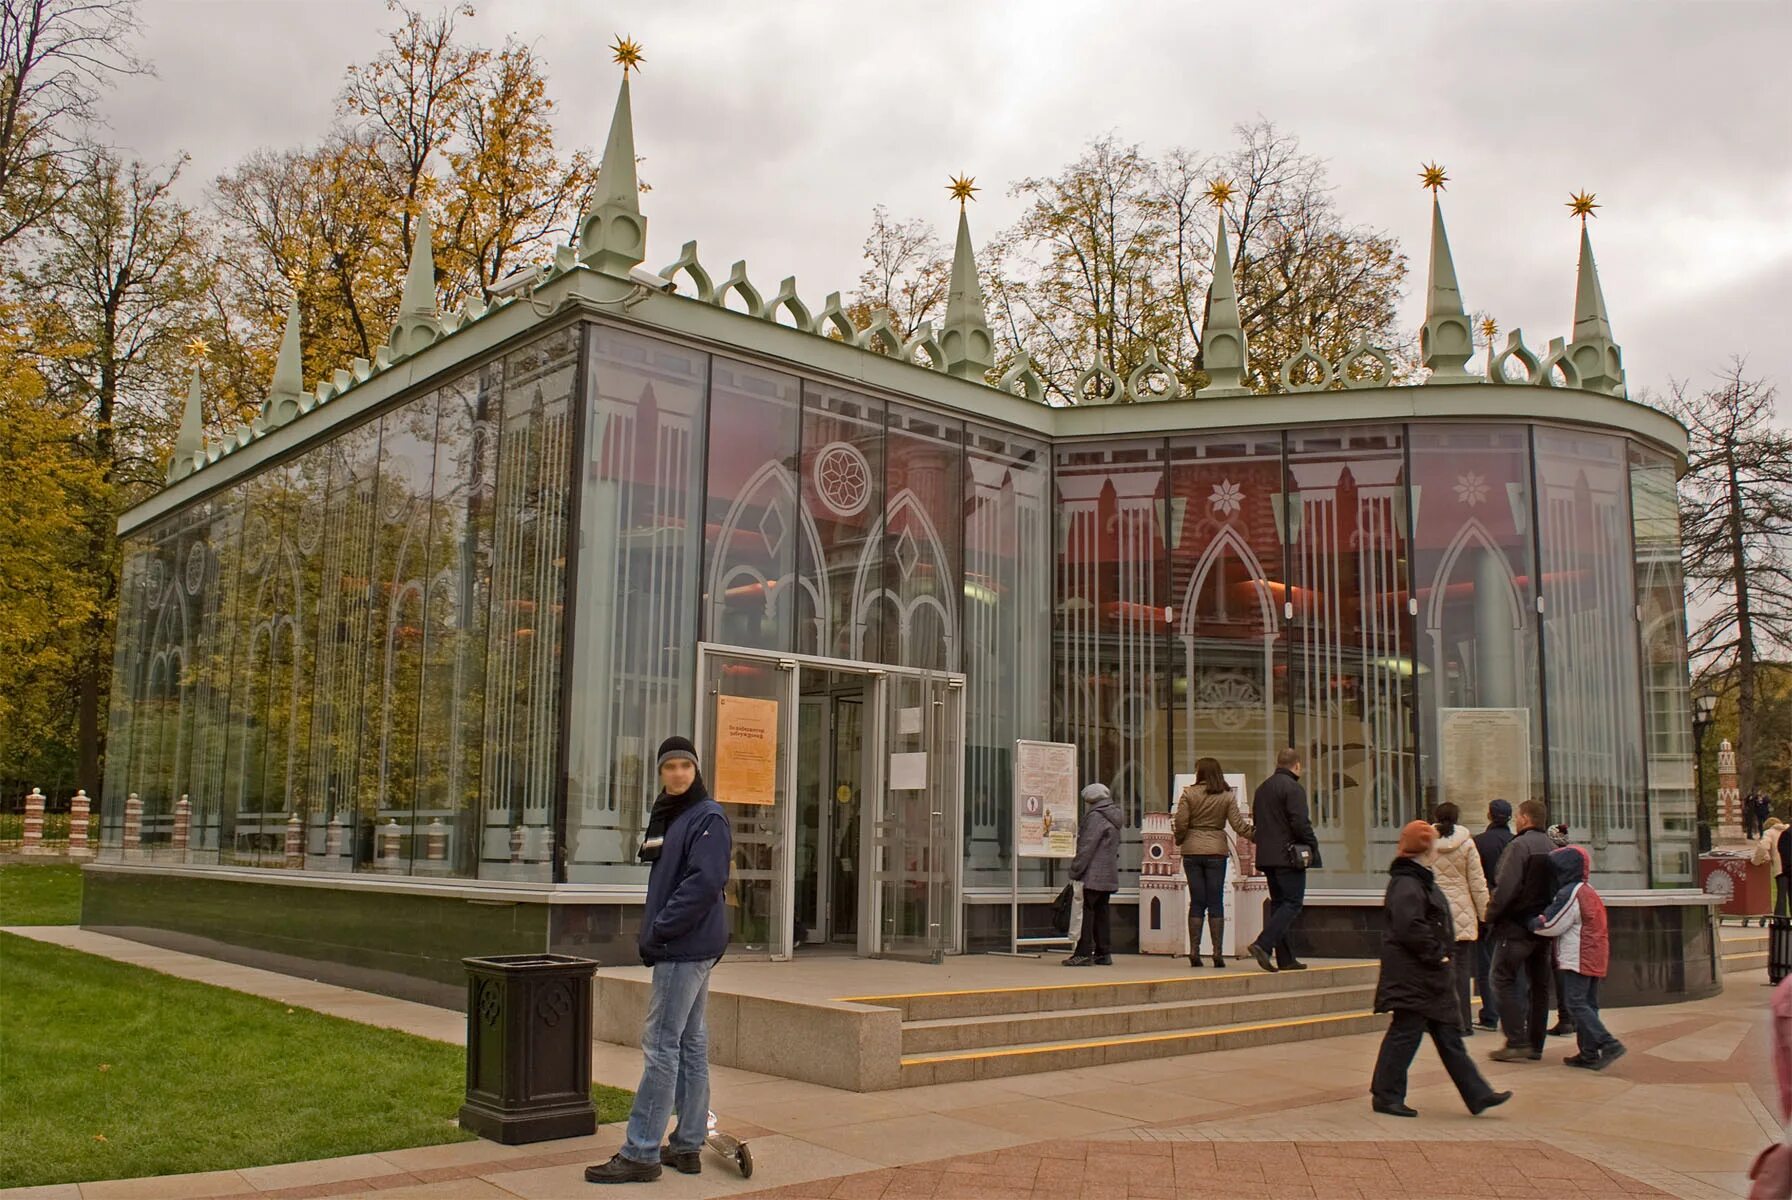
(1667, 733)
(1227, 591)
(1112, 622)
(916, 607)
(522, 712)
(754, 516)
(1007, 639)
(1353, 716)
(840, 556)
(634, 648)
(1473, 577)
(1590, 648)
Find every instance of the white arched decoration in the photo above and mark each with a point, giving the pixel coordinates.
(163, 681)
(1228, 543)
(905, 512)
(772, 487)
(1472, 534)
(273, 633)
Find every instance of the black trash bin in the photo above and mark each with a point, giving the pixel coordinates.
(529, 1047)
(1779, 948)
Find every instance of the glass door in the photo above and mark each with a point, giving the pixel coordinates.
(746, 732)
(915, 851)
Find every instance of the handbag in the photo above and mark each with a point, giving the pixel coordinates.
(1061, 909)
(1300, 855)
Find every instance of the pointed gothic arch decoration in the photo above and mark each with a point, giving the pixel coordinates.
(905, 513)
(775, 488)
(1228, 543)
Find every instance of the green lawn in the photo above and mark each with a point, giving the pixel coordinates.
(111, 1071)
(40, 894)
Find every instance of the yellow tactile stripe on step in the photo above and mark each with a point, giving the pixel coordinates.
(1142, 1039)
(1075, 987)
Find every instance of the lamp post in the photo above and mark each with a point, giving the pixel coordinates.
(1704, 706)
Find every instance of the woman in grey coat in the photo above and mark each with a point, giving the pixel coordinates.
(1097, 867)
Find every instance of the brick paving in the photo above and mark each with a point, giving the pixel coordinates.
(1362, 1170)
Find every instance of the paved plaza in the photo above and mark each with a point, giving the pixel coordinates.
(1683, 1115)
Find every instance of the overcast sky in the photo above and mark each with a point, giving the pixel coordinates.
(770, 129)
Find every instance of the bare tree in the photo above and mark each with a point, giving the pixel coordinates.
(907, 271)
(1736, 532)
(56, 56)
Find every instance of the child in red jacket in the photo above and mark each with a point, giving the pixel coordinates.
(1576, 919)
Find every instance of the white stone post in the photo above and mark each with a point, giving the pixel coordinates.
(133, 823)
(436, 841)
(333, 838)
(34, 823)
(295, 842)
(79, 810)
(390, 833)
(183, 826)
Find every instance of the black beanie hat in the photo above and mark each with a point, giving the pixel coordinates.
(677, 747)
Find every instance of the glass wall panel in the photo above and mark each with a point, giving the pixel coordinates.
(1667, 716)
(395, 647)
(1594, 717)
(129, 646)
(753, 522)
(1353, 711)
(840, 555)
(1007, 640)
(1113, 623)
(217, 563)
(919, 600)
(1228, 655)
(457, 603)
(345, 689)
(634, 645)
(1481, 732)
(161, 729)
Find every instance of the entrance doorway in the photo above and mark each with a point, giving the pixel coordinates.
(843, 782)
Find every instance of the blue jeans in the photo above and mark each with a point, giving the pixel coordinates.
(1287, 896)
(1206, 886)
(1581, 994)
(675, 1043)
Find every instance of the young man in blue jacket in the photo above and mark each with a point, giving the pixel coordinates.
(684, 930)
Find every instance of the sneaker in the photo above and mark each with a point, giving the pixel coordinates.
(1561, 1029)
(1492, 1100)
(1610, 1055)
(1511, 1054)
(1393, 1110)
(1079, 960)
(1262, 957)
(1488, 1022)
(623, 1170)
(685, 1162)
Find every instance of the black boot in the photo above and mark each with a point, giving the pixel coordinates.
(1194, 942)
(1216, 926)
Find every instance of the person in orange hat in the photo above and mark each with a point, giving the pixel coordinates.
(1416, 986)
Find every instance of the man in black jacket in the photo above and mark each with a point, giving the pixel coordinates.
(1279, 812)
(1490, 843)
(1521, 891)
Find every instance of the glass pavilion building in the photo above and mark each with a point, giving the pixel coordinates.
(393, 661)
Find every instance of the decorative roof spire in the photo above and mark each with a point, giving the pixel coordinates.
(288, 390)
(965, 342)
(419, 320)
(613, 235)
(189, 443)
(1225, 356)
(1446, 342)
(1593, 352)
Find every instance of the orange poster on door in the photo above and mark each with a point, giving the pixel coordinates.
(746, 769)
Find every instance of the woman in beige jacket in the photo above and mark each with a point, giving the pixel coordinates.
(1457, 864)
(1203, 811)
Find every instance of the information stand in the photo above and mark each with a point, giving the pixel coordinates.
(1045, 817)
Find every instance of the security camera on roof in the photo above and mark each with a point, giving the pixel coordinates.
(519, 281)
(648, 279)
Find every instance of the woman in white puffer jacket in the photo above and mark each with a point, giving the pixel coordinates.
(1457, 865)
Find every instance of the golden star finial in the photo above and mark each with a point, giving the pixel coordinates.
(962, 188)
(1489, 327)
(1433, 177)
(1581, 204)
(628, 53)
(198, 347)
(1219, 191)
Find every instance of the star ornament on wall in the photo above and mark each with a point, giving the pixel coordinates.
(1227, 497)
(627, 52)
(1433, 177)
(1471, 488)
(963, 187)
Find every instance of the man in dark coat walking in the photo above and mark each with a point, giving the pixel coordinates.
(1416, 986)
(1283, 831)
(1521, 891)
(1490, 843)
